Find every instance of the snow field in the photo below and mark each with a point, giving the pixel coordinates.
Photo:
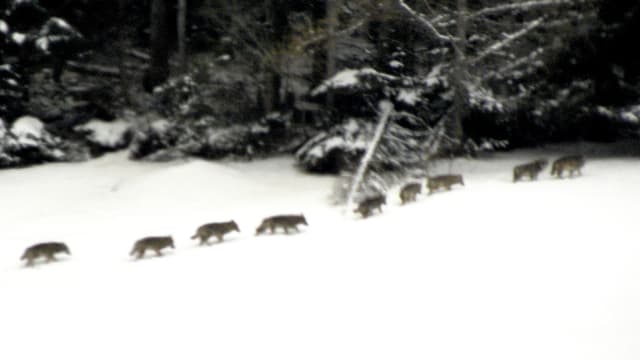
(491, 270)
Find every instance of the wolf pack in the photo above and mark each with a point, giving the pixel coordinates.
(570, 165)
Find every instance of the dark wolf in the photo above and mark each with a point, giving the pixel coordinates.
(572, 164)
(409, 192)
(443, 181)
(218, 230)
(155, 243)
(531, 169)
(286, 222)
(367, 205)
(48, 250)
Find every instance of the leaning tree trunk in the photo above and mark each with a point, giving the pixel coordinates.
(159, 68)
(385, 110)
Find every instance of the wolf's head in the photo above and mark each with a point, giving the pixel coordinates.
(234, 226)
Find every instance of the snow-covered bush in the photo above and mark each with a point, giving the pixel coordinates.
(179, 97)
(7, 159)
(11, 92)
(417, 111)
(210, 119)
(152, 138)
(206, 137)
(30, 38)
(338, 149)
(28, 142)
(402, 152)
(109, 135)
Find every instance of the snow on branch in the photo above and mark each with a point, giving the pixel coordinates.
(424, 21)
(91, 69)
(509, 38)
(515, 64)
(525, 5)
(320, 38)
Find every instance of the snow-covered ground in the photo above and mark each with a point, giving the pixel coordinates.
(493, 270)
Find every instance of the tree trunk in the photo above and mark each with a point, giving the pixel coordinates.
(385, 109)
(454, 128)
(319, 62)
(121, 47)
(159, 68)
(332, 24)
(278, 12)
(182, 39)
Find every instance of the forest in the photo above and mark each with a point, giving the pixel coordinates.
(320, 179)
(244, 79)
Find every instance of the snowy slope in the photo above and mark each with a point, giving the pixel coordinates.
(494, 270)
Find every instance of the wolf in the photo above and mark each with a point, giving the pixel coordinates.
(284, 221)
(155, 243)
(571, 163)
(445, 181)
(48, 250)
(366, 206)
(531, 169)
(409, 192)
(205, 231)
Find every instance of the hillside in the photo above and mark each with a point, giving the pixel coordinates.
(493, 270)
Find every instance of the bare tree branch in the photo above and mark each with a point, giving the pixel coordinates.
(526, 5)
(515, 64)
(424, 21)
(509, 39)
(324, 36)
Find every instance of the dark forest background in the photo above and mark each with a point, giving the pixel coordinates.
(245, 78)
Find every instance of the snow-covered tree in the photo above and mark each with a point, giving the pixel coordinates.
(403, 146)
(31, 38)
(496, 43)
(27, 141)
